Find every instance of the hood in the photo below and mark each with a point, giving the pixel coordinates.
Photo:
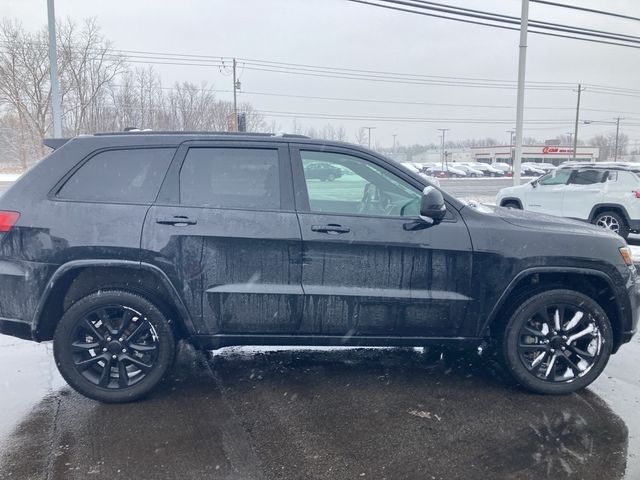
(538, 221)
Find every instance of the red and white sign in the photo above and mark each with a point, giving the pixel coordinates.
(547, 150)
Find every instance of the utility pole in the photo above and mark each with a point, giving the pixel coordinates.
(575, 132)
(369, 129)
(522, 65)
(235, 101)
(394, 142)
(615, 152)
(53, 68)
(442, 148)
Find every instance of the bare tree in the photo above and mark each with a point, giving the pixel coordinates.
(361, 137)
(606, 143)
(87, 67)
(139, 101)
(24, 84)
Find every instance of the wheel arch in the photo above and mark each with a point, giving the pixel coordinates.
(593, 283)
(511, 200)
(616, 207)
(75, 279)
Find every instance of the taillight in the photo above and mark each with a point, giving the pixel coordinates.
(636, 193)
(8, 220)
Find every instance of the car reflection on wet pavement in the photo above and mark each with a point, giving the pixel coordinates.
(351, 413)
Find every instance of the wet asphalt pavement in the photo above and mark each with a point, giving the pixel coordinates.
(251, 413)
(334, 414)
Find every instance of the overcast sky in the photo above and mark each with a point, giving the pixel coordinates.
(338, 33)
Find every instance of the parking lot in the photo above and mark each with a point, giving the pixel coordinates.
(346, 413)
(252, 413)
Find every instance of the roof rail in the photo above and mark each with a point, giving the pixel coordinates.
(54, 143)
(197, 132)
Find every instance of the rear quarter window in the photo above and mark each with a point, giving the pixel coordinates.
(119, 176)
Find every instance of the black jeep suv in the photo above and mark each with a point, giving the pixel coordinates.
(116, 246)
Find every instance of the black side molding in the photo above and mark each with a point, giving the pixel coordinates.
(54, 143)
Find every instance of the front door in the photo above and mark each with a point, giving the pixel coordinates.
(548, 193)
(370, 266)
(225, 229)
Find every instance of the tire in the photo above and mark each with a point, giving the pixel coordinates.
(331, 177)
(137, 347)
(511, 204)
(533, 353)
(613, 221)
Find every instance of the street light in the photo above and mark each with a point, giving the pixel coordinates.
(369, 129)
(442, 148)
(511, 132)
(609, 122)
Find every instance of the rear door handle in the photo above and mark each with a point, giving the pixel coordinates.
(332, 228)
(176, 220)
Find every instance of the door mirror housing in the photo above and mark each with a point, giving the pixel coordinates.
(432, 205)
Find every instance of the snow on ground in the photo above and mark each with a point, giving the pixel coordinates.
(9, 177)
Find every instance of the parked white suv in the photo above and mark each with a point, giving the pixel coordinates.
(608, 196)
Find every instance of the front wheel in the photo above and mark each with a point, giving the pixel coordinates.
(557, 342)
(510, 204)
(612, 221)
(113, 346)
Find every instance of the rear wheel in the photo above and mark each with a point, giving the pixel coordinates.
(557, 342)
(113, 346)
(612, 221)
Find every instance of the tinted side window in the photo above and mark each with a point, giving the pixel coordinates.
(587, 177)
(556, 177)
(340, 183)
(231, 177)
(119, 176)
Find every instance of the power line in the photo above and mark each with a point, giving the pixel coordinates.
(146, 57)
(628, 43)
(410, 119)
(585, 9)
(509, 19)
(491, 16)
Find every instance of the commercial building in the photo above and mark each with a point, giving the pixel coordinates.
(555, 154)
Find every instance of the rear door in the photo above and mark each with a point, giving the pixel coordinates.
(548, 194)
(225, 228)
(370, 266)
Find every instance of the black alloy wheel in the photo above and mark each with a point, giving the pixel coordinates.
(557, 342)
(113, 346)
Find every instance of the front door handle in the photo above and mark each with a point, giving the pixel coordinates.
(332, 228)
(176, 220)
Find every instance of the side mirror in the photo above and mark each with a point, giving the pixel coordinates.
(432, 205)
